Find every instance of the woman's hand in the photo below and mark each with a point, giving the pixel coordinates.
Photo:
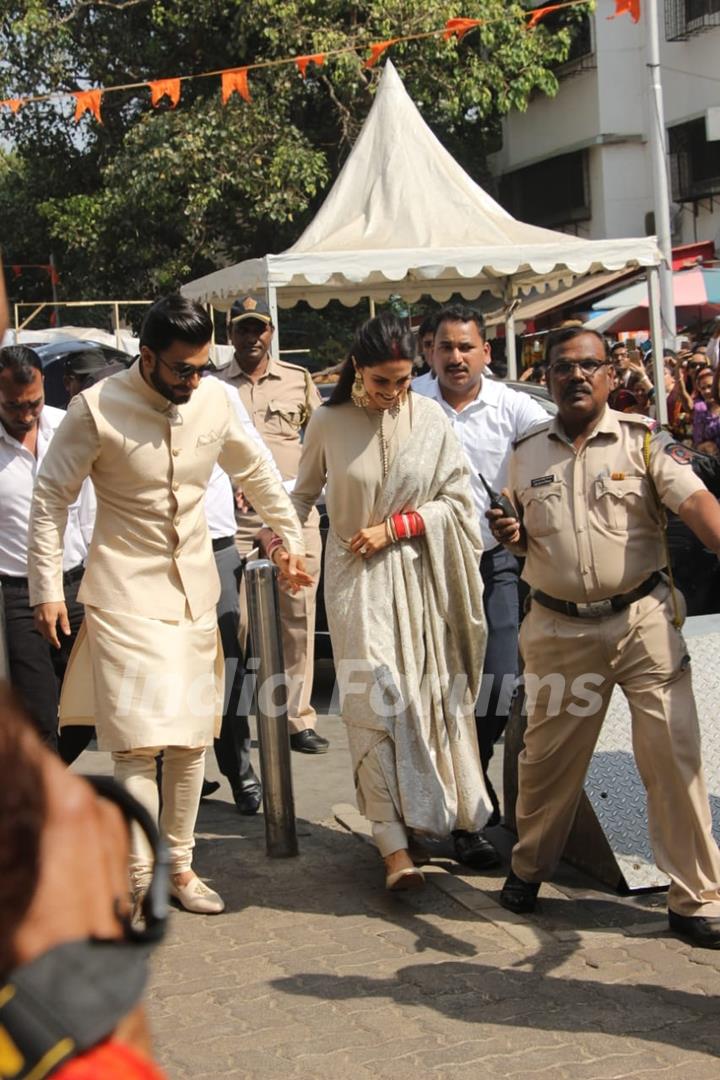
(370, 541)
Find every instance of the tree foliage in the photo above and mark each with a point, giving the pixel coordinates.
(154, 196)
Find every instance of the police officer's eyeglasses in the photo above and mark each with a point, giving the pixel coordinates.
(186, 372)
(563, 368)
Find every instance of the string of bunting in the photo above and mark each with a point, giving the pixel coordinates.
(235, 80)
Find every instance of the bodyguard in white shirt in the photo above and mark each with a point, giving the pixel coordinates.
(27, 426)
(487, 418)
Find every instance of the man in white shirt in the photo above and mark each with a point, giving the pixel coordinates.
(487, 418)
(27, 426)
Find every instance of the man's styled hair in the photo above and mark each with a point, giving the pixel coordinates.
(617, 345)
(427, 326)
(568, 333)
(461, 313)
(21, 362)
(175, 318)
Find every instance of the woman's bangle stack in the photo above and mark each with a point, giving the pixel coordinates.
(405, 526)
(273, 544)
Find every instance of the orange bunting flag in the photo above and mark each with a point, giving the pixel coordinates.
(235, 79)
(627, 7)
(88, 101)
(377, 50)
(164, 88)
(459, 27)
(14, 104)
(540, 13)
(302, 62)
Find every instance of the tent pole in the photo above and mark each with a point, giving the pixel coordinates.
(510, 344)
(273, 305)
(372, 307)
(656, 335)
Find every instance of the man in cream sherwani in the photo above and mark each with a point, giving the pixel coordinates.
(147, 667)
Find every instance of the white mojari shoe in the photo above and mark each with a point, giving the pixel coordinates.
(195, 896)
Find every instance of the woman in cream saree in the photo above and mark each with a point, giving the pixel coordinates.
(403, 596)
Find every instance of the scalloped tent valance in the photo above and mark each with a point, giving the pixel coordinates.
(403, 218)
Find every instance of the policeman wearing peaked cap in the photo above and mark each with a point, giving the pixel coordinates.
(589, 487)
(280, 398)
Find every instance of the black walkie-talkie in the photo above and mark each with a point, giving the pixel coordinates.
(498, 501)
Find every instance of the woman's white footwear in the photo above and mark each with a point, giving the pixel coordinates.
(407, 878)
(195, 896)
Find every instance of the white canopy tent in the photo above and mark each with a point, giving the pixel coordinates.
(404, 219)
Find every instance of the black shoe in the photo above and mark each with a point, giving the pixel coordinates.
(309, 742)
(472, 849)
(248, 800)
(698, 930)
(518, 895)
(209, 788)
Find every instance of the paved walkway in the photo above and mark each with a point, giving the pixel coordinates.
(314, 971)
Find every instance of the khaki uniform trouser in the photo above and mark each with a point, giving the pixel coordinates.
(297, 625)
(640, 650)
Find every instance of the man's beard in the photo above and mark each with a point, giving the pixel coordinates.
(178, 395)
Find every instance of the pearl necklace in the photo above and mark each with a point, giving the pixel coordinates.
(384, 439)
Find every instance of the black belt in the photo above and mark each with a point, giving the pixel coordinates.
(221, 542)
(22, 582)
(598, 609)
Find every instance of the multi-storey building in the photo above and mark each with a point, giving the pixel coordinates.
(580, 161)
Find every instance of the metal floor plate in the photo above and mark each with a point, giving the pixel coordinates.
(613, 784)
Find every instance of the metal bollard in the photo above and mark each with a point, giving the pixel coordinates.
(273, 737)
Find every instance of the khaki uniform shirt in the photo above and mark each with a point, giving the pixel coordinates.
(150, 463)
(591, 521)
(280, 405)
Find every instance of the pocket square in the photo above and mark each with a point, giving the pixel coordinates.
(204, 440)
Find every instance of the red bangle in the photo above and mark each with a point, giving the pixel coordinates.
(273, 544)
(406, 526)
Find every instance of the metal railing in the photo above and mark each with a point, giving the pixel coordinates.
(272, 723)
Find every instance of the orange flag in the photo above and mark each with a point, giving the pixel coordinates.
(302, 62)
(377, 50)
(88, 101)
(14, 104)
(165, 88)
(459, 27)
(540, 13)
(627, 7)
(235, 79)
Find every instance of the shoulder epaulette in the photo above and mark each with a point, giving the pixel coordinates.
(292, 367)
(537, 430)
(645, 422)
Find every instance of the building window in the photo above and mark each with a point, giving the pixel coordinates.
(686, 17)
(694, 162)
(552, 193)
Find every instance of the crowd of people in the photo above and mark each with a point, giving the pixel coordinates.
(132, 516)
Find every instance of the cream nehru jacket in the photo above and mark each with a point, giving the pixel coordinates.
(150, 463)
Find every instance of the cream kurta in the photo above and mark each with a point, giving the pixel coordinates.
(407, 625)
(151, 584)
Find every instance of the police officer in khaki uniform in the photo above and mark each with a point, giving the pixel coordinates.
(280, 399)
(601, 614)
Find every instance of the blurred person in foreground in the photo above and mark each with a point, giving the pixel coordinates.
(403, 595)
(71, 977)
(147, 667)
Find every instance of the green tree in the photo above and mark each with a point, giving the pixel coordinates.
(154, 196)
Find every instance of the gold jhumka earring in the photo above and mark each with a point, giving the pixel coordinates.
(358, 393)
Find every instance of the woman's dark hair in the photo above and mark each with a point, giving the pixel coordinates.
(22, 816)
(175, 318)
(21, 362)
(377, 341)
